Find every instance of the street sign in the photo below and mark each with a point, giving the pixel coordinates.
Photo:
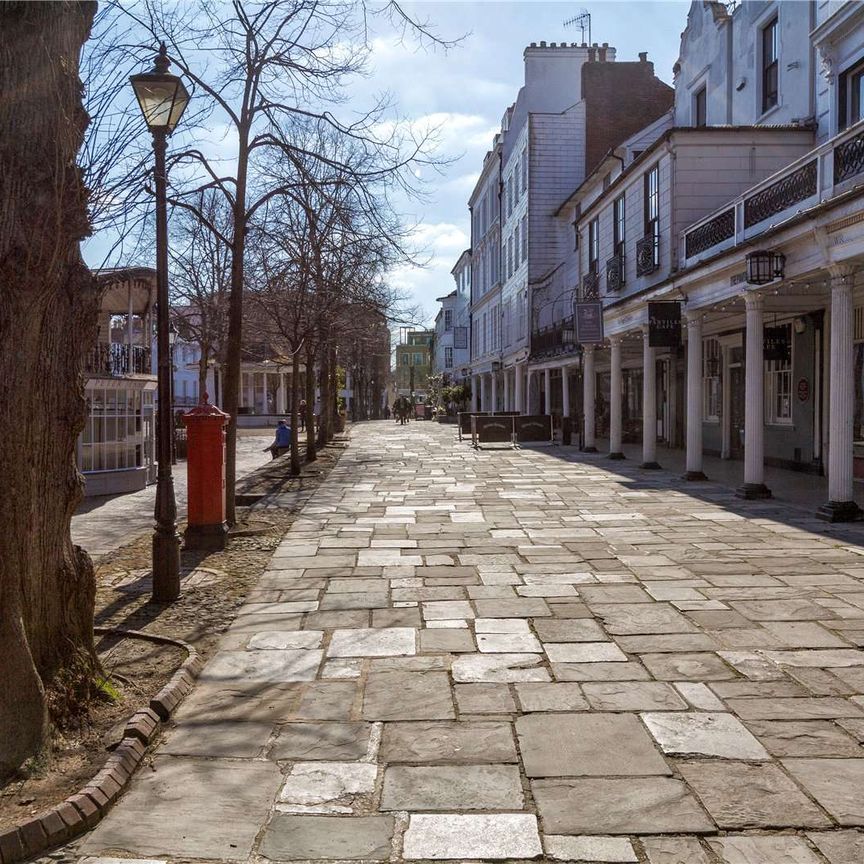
(588, 315)
(664, 324)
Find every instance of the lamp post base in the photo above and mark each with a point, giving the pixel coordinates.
(840, 511)
(651, 466)
(617, 454)
(589, 449)
(166, 566)
(694, 476)
(753, 491)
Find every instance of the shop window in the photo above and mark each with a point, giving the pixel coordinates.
(448, 358)
(594, 245)
(778, 386)
(711, 390)
(700, 107)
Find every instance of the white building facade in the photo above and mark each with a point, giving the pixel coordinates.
(747, 217)
(451, 353)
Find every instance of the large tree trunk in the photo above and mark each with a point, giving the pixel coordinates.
(48, 319)
(310, 406)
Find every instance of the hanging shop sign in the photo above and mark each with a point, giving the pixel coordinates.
(803, 389)
(589, 322)
(664, 324)
(775, 344)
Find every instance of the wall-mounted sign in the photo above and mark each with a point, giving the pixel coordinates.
(460, 337)
(664, 324)
(775, 345)
(803, 389)
(588, 315)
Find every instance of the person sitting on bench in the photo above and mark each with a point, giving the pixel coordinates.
(282, 442)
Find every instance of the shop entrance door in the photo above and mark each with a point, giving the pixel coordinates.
(736, 411)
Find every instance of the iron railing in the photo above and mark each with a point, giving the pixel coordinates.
(116, 359)
(558, 338)
(647, 254)
(615, 272)
(849, 158)
(710, 233)
(787, 191)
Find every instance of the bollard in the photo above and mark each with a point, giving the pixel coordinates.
(566, 431)
(205, 472)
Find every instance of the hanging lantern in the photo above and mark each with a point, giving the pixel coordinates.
(765, 266)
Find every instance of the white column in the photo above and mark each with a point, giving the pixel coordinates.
(694, 398)
(649, 403)
(615, 397)
(841, 506)
(494, 405)
(589, 396)
(547, 386)
(507, 406)
(565, 392)
(520, 380)
(484, 392)
(281, 393)
(754, 401)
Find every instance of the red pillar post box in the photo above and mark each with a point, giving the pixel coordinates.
(205, 472)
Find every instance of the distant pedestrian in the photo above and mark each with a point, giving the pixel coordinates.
(302, 411)
(282, 441)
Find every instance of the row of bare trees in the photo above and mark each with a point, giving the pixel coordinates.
(288, 188)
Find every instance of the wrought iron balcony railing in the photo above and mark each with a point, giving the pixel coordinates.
(558, 338)
(711, 233)
(781, 195)
(849, 158)
(806, 182)
(116, 359)
(615, 273)
(647, 254)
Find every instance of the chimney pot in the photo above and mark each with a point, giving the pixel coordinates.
(605, 44)
(594, 45)
(543, 44)
(643, 56)
(601, 52)
(590, 55)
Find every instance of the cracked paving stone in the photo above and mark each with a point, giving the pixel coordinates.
(613, 805)
(703, 733)
(782, 849)
(478, 668)
(320, 742)
(632, 696)
(408, 696)
(591, 744)
(319, 782)
(738, 795)
(383, 642)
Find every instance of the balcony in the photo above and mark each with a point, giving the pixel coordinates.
(559, 338)
(647, 254)
(615, 273)
(117, 360)
(828, 171)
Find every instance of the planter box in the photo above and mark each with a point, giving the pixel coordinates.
(533, 428)
(491, 429)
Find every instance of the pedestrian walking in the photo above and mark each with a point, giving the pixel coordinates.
(302, 412)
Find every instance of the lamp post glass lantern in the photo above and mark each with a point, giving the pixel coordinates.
(163, 99)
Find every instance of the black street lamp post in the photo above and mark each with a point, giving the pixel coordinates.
(162, 99)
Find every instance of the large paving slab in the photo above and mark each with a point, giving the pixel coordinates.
(473, 655)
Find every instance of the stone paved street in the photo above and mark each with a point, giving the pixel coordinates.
(511, 655)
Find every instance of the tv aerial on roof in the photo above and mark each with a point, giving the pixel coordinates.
(582, 21)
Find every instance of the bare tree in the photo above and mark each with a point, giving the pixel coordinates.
(48, 314)
(280, 68)
(201, 281)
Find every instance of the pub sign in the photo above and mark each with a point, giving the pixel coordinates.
(775, 344)
(664, 324)
(588, 315)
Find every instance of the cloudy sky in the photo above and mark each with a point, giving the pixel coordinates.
(467, 90)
